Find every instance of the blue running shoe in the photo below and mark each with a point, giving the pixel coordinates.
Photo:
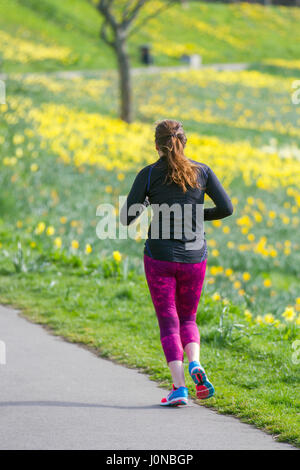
(178, 396)
(203, 387)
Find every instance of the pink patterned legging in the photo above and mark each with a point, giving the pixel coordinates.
(175, 290)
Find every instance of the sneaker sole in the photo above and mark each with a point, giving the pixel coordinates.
(205, 391)
(175, 402)
(198, 376)
(204, 388)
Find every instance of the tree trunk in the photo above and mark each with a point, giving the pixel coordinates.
(124, 80)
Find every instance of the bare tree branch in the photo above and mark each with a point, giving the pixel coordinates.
(127, 7)
(120, 30)
(133, 13)
(165, 5)
(104, 36)
(104, 7)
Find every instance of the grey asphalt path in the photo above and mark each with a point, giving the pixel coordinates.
(58, 395)
(150, 69)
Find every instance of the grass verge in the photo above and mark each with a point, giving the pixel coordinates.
(251, 368)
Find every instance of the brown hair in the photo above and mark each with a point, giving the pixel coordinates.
(171, 139)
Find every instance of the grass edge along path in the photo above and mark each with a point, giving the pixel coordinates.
(146, 356)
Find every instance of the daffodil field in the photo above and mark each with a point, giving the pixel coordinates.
(67, 157)
(63, 152)
(48, 35)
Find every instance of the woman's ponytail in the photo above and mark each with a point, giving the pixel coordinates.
(170, 139)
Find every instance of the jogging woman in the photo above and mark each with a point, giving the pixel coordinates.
(175, 256)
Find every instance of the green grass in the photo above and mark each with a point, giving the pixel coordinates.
(218, 32)
(252, 371)
(250, 365)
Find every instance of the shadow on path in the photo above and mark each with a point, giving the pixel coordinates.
(66, 404)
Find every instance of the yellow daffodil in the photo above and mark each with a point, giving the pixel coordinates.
(269, 318)
(289, 314)
(57, 242)
(75, 244)
(34, 167)
(40, 228)
(216, 296)
(248, 315)
(88, 249)
(117, 256)
(50, 231)
(214, 270)
(217, 223)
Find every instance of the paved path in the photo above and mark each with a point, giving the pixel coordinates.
(57, 395)
(134, 71)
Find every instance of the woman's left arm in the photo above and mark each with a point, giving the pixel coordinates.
(215, 190)
(136, 200)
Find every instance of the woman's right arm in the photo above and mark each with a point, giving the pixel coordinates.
(136, 199)
(215, 190)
